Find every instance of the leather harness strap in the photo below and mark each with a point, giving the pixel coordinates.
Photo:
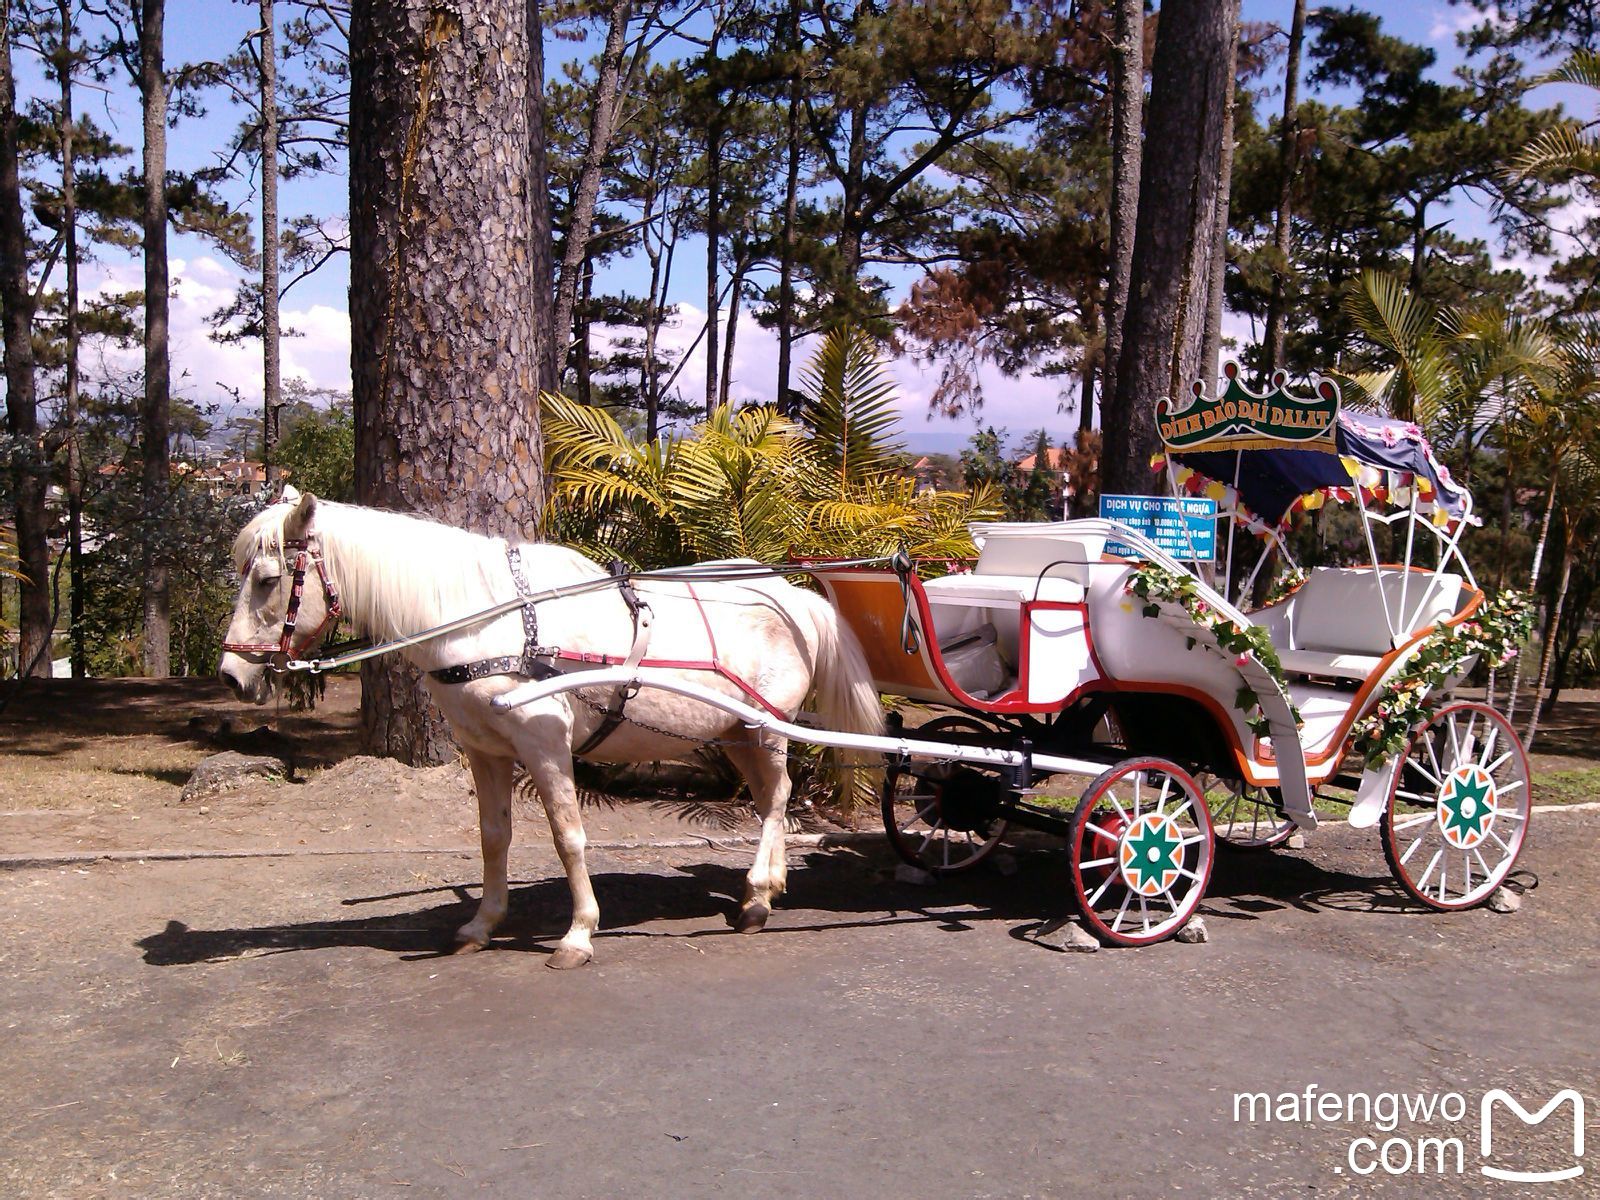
(534, 661)
(538, 662)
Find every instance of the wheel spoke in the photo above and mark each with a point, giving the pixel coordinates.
(1105, 833)
(1432, 862)
(1116, 925)
(1094, 898)
(1188, 874)
(1138, 792)
(1166, 788)
(1412, 849)
(1412, 821)
(1144, 913)
(1499, 842)
(928, 837)
(1112, 796)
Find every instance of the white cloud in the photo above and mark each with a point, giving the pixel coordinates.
(202, 368)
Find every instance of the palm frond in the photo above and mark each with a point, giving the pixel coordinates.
(849, 406)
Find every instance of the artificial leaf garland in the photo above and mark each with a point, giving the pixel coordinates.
(1409, 700)
(1156, 585)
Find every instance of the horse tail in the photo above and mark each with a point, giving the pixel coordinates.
(847, 700)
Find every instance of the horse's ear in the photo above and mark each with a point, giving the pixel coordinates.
(298, 523)
(291, 494)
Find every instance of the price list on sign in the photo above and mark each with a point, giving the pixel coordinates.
(1185, 528)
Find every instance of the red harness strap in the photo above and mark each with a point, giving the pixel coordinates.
(713, 664)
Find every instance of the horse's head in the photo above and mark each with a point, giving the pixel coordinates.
(276, 616)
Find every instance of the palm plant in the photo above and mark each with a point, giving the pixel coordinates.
(1566, 146)
(753, 484)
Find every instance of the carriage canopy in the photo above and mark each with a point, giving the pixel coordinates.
(1276, 453)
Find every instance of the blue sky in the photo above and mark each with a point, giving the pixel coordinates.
(317, 307)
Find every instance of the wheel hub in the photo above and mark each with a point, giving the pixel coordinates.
(1466, 806)
(1150, 854)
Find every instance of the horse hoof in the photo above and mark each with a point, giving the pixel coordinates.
(468, 947)
(567, 957)
(753, 919)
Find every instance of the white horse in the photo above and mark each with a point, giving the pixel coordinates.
(397, 575)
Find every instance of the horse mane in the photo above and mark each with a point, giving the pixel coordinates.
(398, 574)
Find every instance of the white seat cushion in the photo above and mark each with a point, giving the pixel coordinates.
(1332, 663)
(1341, 609)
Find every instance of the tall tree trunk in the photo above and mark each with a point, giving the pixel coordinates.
(791, 208)
(1087, 368)
(582, 350)
(29, 478)
(1547, 649)
(603, 114)
(1127, 122)
(1177, 209)
(70, 397)
(444, 352)
(540, 251)
(713, 247)
(1211, 346)
(155, 477)
(1288, 162)
(735, 288)
(1533, 586)
(271, 384)
(1419, 246)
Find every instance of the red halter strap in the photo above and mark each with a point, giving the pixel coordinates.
(281, 651)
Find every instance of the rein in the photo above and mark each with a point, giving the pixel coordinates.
(282, 658)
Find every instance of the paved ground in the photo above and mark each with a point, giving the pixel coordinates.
(283, 1027)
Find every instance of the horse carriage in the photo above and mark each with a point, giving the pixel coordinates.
(1194, 721)
(1083, 648)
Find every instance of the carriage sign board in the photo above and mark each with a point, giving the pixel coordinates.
(1185, 528)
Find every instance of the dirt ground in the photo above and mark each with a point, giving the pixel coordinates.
(99, 765)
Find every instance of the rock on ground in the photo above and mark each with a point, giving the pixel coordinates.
(219, 771)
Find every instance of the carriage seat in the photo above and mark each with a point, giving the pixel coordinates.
(1336, 622)
(960, 604)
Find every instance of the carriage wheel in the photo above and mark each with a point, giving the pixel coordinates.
(1458, 807)
(1245, 817)
(945, 825)
(1141, 851)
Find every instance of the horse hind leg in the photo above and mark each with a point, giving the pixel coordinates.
(491, 779)
(764, 765)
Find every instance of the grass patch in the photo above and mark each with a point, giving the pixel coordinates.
(1573, 786)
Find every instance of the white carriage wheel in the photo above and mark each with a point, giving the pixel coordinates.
(1141, 851)
(1245, 817)
(1458, 807)
(914, 816)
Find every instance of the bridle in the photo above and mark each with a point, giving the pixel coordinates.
(281, 652)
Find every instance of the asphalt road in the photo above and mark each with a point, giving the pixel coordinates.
(286, 1028)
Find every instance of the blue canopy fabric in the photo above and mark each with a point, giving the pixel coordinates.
(1382, 451)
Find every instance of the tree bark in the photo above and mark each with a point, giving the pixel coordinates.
(1533, 584)
(1211, 347)
(791, 206)
(155, 477)
(1547, 648)
(1288, 162)
(70, 390)
(713, 246)
(1177, 210)
(271, 382)
(735, 288)
(1127, 122)
(602, 128)
(29, 478)
(540, 251)
(445, 356)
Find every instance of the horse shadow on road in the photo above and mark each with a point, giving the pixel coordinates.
(829, 890)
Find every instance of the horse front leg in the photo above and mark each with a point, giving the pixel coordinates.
(491, 779)
(765, 767)
(549, 765)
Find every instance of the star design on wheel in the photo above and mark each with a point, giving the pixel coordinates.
(1466, 806)
(1150, 854)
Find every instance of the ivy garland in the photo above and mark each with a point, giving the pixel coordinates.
(1156, 585)
(1410, 699)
